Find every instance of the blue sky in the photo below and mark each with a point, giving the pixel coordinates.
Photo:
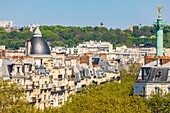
(113, 13)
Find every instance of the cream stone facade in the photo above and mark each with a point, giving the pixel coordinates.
(48, 84)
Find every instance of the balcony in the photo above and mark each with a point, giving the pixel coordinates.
(27, 77)
(45, 86)
(18, 75)
(55, 90)
(71, 88)
(62, 83)
(28, 82)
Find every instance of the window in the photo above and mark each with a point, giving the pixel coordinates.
(168, 89)
(143, 88)
(72, 76)
(83, 86)
(118, 78)
(51, 77)
(143, 91)
(17, 69)
(44, 97)
(156, 89)
(47, 85)
(158, 76)
(59, 77)
(161, 62)
(55, 89)
(62, 87)
(60, 93)
(41, 61)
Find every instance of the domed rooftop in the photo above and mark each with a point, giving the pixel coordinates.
(38, 45)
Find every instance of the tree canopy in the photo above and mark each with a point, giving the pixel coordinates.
(12, 99)
(72, 36)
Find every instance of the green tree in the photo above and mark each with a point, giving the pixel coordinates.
(12, 99)
(159, 102)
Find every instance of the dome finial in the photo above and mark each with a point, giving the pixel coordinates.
(37, 32)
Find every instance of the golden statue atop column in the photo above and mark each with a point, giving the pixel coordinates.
(159, 11)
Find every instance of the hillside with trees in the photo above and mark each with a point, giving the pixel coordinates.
(72, 36)
(111, 97)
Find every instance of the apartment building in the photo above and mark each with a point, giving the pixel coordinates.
(91, 46)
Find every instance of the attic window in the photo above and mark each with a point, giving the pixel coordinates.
(157, 76)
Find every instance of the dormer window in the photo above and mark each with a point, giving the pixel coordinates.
(159, 74)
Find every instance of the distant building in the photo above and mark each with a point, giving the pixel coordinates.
(131, 28)
(2, 47)
(6, 23)
(91, 46)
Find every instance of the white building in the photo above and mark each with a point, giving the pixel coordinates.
(6, 24)
(153, 77)
(2, 47)
(91, 46)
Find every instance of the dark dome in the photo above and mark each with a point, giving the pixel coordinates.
(39, 46)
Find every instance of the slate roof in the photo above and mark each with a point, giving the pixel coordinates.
(158, 75)
(154, 74)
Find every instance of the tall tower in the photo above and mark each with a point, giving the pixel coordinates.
(159, 34)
